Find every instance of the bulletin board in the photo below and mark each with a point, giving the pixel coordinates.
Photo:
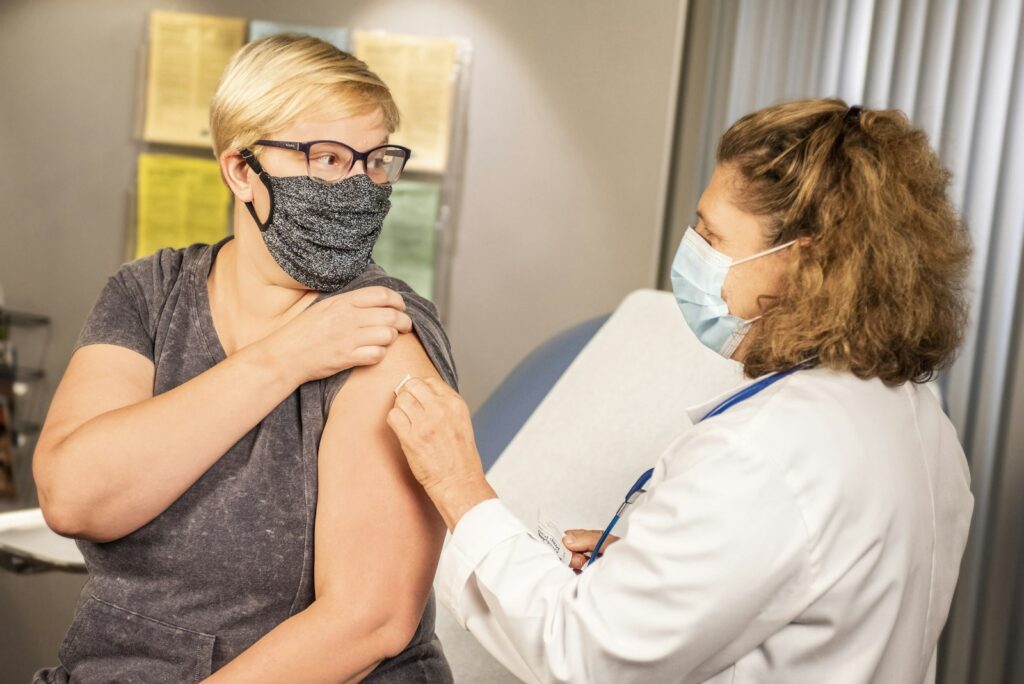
(179, 198)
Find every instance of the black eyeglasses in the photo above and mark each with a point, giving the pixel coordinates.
(329, 161)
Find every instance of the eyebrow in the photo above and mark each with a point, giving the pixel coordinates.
(703, 218)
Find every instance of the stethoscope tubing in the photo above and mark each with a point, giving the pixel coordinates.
(637, 488)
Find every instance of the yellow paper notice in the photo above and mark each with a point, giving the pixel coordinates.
(181, 201)
(187, 54)
(420, 73)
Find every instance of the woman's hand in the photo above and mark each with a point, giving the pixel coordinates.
(582, 542)
(433, 425)
(338, 333)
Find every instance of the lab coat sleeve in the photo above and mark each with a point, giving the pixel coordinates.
(716, 560)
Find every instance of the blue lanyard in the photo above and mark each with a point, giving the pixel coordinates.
(638, 488)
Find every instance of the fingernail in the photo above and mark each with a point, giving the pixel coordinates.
(569, 539)
(406, 379)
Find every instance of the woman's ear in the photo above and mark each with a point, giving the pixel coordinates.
(237, 174)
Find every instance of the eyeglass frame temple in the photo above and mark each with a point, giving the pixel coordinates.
(255, 165)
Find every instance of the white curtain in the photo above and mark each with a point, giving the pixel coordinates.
(956, 67)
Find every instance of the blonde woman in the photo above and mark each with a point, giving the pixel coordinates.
(809, 527)
(218, 442)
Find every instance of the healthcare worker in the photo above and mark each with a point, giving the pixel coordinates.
(809, 526)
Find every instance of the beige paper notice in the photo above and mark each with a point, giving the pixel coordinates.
(420, 73)
(181, 201)
(187, 54)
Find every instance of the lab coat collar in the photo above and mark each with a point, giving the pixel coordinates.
(698, 411)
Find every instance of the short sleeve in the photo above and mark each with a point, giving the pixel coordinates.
(426, 323)
(125, 312)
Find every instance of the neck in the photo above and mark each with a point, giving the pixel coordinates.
(246, 302)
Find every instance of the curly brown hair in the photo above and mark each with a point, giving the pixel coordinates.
(878, 290)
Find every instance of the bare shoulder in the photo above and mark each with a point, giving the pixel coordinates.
(370, 389)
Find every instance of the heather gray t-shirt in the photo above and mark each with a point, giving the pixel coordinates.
(233, 556)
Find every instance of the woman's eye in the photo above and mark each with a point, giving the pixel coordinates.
(326, 160)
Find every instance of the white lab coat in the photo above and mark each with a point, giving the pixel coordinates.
(812, 533)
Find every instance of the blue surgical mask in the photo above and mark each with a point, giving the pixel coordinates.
(698, 273)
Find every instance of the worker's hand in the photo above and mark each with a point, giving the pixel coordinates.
(433, 425)
(582, 542)
(340, 332)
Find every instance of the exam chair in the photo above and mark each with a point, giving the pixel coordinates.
(573, 425)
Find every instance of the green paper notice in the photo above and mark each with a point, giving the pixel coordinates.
(407, 245)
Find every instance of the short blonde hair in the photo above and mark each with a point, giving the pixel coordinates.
(879, 289)
(273, 81)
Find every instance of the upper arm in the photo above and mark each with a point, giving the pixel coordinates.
(377, 533)
(99, 378)
(112, 365)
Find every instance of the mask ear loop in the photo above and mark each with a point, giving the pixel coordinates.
(733, 343)
(773, 250)
(255, 165)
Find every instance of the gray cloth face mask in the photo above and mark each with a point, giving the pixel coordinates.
(321, 234)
